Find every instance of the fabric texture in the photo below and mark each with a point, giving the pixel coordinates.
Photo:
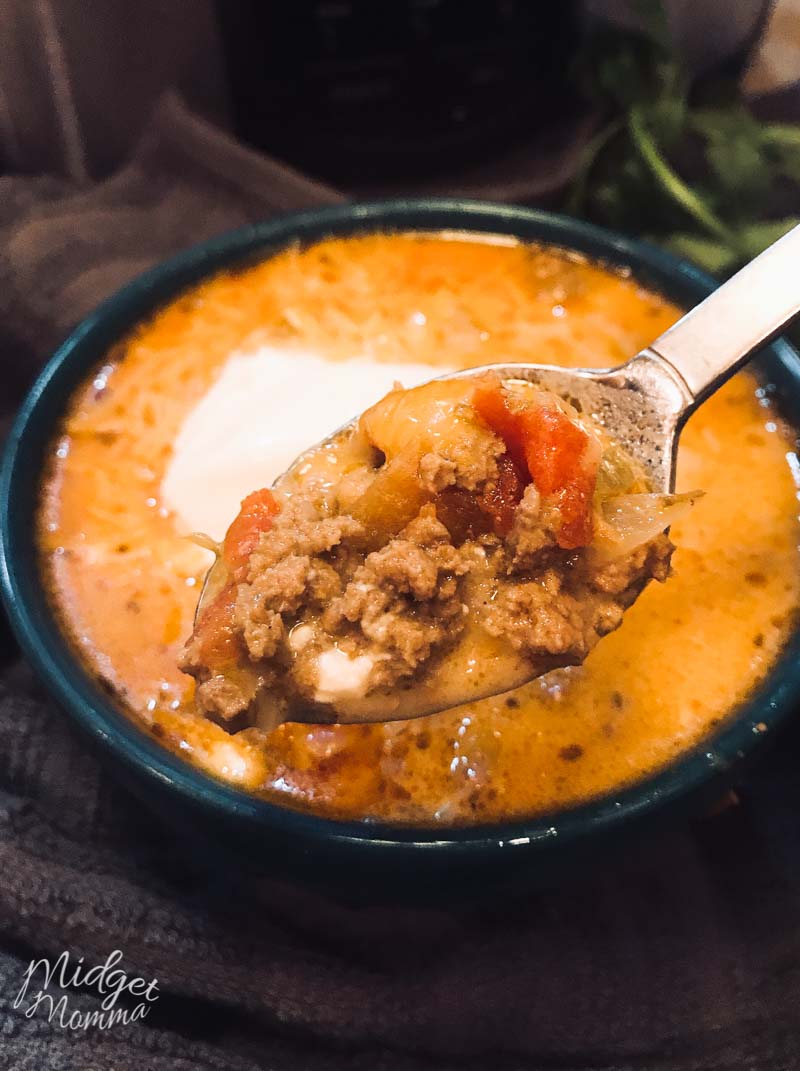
(683, 954)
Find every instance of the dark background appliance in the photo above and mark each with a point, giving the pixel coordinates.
(360, 92)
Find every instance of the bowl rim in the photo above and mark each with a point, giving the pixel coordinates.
(119, 736)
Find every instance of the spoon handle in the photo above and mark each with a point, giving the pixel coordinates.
(746, 312)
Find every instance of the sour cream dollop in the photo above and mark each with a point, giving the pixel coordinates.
(264, 409)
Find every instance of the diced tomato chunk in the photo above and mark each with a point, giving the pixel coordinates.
(461, 514)
(255, 517)
(501, 499)
(575, 506)
(556, 453)
(219, 645)
(466, 515)
(489, 402)
(554, 447)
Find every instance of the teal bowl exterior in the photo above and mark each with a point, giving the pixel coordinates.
(278, 840)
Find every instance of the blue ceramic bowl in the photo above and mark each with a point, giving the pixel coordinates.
(271, 837)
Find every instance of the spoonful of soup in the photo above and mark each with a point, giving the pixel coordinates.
(466, 536)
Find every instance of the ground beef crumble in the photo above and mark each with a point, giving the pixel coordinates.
(459, 468)
(405, 600)
(400, 604)
(564, 611)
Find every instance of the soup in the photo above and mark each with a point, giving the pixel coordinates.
(127, 483)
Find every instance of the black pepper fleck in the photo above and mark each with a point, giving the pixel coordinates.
(571, 753)
(758, 580)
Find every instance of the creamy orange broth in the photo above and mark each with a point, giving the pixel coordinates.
(125, 583)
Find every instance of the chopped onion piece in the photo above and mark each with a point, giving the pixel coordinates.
(200, 539)
(618, 474)
(627, 521)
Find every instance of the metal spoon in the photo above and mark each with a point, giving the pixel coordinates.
(644, 405)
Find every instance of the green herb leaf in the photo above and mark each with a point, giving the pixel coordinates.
(741, 162)
(713, 256)
(697, 176)
(757, 236)
(670, 183)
